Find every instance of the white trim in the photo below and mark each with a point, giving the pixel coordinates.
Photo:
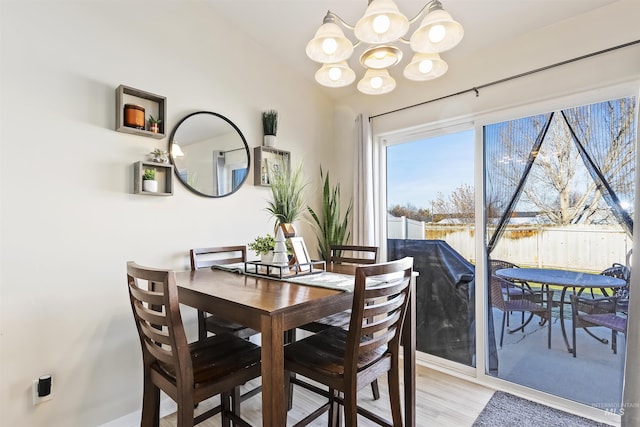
(167, 407)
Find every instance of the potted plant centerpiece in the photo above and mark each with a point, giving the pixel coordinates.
(287, 191)
(154, 124)
(263, 247)
(149, 182)
(270, 127)
(331, 229)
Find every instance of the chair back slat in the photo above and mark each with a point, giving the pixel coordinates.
(208, 257)
(154, 303)
(378, 309)
(353, 254)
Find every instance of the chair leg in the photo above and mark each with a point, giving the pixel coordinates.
(573, 337)
(185, 410)
(227, 404)
(202, 326)
(235, 401)
(351, 407)
(614, 341)
(334, 409)
(393, 377)
(150, 405)
(375, 390)
(504, 316)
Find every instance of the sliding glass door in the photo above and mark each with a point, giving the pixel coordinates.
(430, 216)
(559, 197)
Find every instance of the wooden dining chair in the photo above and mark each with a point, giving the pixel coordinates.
(207, 322)
(188, 373)
(346, 360)
(587, 313)
(351, 255)
(206, 258)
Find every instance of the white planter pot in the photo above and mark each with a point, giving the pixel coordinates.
(269, 141)
(266, 258)
(150, 186)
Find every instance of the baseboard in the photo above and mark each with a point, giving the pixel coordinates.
(167, 406)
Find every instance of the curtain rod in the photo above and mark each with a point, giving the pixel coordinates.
(476, 89)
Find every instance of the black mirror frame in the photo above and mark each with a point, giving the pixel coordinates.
(175, 168)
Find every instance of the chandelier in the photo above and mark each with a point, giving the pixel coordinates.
(380, 28)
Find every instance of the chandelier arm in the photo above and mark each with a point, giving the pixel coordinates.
(332, 17)
(431, 5)
(403, 40)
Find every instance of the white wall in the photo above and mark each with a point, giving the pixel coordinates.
(69, 218)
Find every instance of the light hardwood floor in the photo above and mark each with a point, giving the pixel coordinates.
(441, 400)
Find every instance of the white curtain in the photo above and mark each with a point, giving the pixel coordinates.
(364, 217)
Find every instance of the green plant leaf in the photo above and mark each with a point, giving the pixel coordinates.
(331, 229)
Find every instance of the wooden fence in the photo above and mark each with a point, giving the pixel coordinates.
(578, 247)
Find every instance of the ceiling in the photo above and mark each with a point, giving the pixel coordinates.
(283, 27)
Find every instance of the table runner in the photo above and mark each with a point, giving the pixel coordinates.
(327, 279)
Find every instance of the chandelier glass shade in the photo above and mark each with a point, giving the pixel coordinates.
(381, 27)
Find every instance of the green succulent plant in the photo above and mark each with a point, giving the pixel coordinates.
(154, 119)
(262, 245)
(149, 175)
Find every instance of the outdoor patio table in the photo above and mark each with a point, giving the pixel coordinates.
(563, 278)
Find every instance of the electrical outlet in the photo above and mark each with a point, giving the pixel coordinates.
(39, 399)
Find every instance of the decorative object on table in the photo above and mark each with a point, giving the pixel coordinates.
(287, 191)
(149, 182)
(159, 155)
(280, 252)
(270, 127)
(154, 124)
(263, 247)
(300, 253)
(332, 230)
(134, 116)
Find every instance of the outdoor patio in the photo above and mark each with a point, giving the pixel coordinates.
(594, 377)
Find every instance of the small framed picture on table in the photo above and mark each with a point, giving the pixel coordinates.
(300, 252)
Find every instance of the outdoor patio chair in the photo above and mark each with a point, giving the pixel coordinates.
(528, 303)
(588, 312)
(513, 292)
(621, 272)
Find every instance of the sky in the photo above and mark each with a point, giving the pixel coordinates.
(417, 171)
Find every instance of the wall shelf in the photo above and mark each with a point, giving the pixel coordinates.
(266, 158)
(164, 176)
(154, 105)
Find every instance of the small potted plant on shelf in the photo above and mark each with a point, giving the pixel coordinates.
(270, 127)
(159, 155)
(263, 246)
(154, 124)
(149, 182)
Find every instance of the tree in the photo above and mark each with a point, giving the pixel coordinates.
(411, 212)
(460, 204)
(559, 185)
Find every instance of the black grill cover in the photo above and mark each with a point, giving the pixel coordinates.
(445, 300)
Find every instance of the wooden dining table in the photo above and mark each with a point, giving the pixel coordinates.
(275, 306)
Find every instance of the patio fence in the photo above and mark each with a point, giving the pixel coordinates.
(587, 248)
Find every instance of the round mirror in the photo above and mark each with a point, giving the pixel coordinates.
(209, 154)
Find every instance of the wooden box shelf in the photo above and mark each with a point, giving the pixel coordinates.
(164, 176)
(265, 158)
(154, 105)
